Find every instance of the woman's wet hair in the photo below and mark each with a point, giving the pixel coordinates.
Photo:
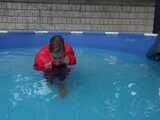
(51, 41)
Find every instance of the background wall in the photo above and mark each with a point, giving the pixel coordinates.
(77, 15)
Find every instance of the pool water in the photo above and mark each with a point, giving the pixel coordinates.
(104, 85)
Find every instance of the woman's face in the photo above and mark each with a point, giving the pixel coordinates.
(57, 48)
(57, 45)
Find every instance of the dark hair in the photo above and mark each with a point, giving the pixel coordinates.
(52, 40)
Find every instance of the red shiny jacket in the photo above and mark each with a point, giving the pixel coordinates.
(44, 57)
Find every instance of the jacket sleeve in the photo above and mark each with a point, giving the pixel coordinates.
(38, 63)
(70, 54)
(41, 59)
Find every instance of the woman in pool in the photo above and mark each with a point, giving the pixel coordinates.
(53, 59)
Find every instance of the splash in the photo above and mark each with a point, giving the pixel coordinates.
(116, 95)
(27, 88)
(131, 85)
(42, 90)
(159, 92)
(133, 93)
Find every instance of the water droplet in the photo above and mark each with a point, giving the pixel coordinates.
(131, 85)
(117, 95)
(159, 92)
(133, 93)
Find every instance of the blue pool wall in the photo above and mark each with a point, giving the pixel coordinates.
(138, 43)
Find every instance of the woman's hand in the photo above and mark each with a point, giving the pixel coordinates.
(61, 61)
(66, 60)
(57, 62)
(48, 66)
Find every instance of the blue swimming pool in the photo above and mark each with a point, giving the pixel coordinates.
(113, 79)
